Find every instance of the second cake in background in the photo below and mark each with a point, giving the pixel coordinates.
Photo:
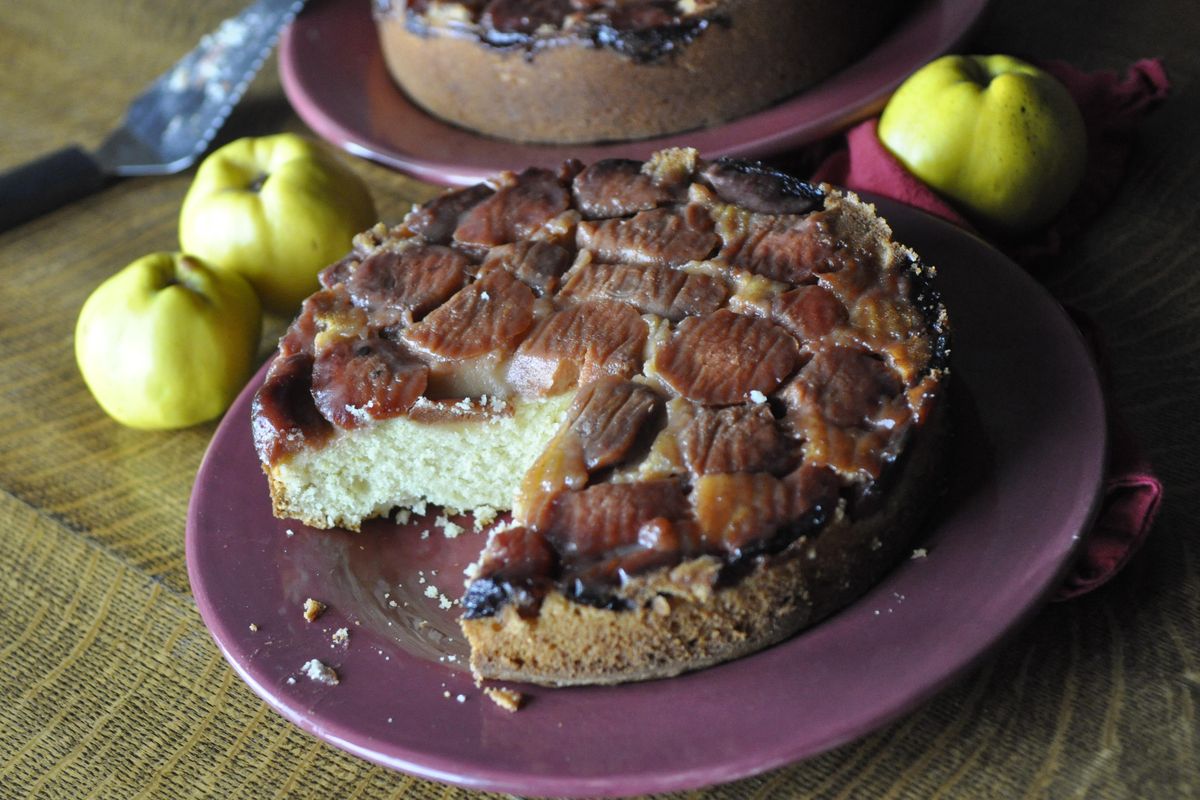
(574, 71)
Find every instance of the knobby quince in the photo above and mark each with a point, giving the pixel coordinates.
(277, 210)
(168, 342)
(1000, 137)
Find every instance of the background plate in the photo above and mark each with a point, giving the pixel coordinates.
(334, 75)
(1029, 458)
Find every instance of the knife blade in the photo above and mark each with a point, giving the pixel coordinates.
(166, 128)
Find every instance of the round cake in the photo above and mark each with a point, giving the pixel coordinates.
(713, 397)
(572, 71)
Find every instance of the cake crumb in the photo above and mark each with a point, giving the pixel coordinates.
(757, 397)
(431, 591)
(502, 527)
(291, 681)
(313, 609)
(505, 698)
(291, 532)
(341, 636)
(450, 529)
(660, 605)
(446, 694)
(253, 627)
(444, 602)
(672, 164)
(484, 516)
(360, 413)
(403, 516)
(461, 698)
(320, 672)
(920, 552)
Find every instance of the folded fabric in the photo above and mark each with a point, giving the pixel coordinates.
(1131, 496)
(1112, 106)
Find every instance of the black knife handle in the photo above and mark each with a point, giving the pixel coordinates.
(50, 182)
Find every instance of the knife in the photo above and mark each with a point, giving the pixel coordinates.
(166, 128)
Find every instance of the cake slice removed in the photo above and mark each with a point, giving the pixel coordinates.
(713, 396)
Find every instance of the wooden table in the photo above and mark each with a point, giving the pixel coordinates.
(110, 686)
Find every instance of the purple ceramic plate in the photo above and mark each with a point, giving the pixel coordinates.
(334, 75)
(1030, 451)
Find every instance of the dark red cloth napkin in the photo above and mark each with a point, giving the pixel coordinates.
(1112, 106)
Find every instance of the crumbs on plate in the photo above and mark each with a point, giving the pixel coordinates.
(313, 609)
(507, 699)
(320, 672)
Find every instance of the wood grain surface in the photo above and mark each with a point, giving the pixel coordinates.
(110, 685)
